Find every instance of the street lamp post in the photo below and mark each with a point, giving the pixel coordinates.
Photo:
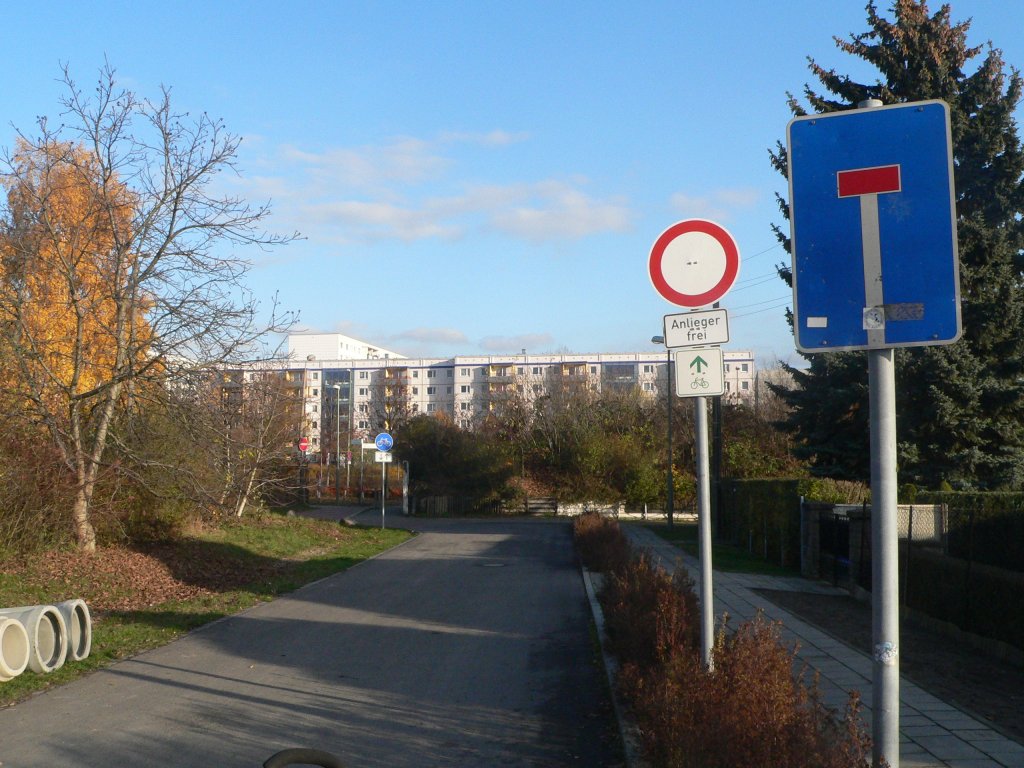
(337, 441)
(348, 451)
(668, 400)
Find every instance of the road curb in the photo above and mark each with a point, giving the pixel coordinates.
(628, 730)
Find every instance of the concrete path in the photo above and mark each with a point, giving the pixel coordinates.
(469, 645)
(932, 732)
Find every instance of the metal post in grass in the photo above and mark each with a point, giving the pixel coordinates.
(707, 611)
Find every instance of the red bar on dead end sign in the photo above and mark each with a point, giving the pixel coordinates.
(869, 181)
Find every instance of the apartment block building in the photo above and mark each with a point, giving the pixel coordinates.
(346, 400)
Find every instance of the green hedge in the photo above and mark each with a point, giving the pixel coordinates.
(762, 516)
(977, 598)
(984, 527)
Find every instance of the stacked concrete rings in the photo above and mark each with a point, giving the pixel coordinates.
(43, 637)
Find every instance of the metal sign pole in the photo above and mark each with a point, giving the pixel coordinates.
(707, 611)
(849, 294)
(383, 476)
(885, 709)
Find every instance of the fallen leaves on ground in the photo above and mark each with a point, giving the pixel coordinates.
(119, 578)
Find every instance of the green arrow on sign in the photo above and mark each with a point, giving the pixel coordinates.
(698, 361)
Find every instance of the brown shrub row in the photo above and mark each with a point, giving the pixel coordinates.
(751, 710)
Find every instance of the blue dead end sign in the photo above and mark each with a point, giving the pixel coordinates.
(873, 218)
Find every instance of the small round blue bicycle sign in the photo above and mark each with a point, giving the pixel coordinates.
(384, 442)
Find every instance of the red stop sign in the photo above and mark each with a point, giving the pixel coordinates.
(303, 444)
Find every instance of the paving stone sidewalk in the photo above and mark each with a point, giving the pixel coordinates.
(933, 733)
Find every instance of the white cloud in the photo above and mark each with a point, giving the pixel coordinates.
(720, 205)
(378, 221)
(515, 344)
(432, 336)
(406, 189)
(403, 160)
(496, 138)
(558, 211)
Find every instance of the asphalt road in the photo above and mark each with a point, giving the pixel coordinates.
(467, 646)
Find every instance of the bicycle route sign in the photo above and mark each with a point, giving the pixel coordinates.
(700, 372)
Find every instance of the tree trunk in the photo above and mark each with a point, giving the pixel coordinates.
(85, 533)
(243, 497)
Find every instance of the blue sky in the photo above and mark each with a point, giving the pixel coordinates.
(481, 177)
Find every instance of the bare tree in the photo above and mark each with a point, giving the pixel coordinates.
(258, 413)
(142, 280)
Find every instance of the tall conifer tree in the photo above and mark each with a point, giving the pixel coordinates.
(960, 408)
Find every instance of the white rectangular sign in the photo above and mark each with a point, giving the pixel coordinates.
(697, 329)
(700, 372)
(369, 446)
(382, 457)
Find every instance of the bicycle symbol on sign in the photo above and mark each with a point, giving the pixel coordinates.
(699, 382)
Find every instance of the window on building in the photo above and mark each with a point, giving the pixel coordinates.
(648, 369)
(415, 374)
(316, 392)
(431, 390)
(744, 368)
(316, 441)
(362, 374)
(464, 389)
(416, 391)
(593, 370)
(648, 387)
(314, 425)
(362, 391)
(364, 424)
(520, 370)
(620, 371)
(464, 372)
(536, 370)
(415, 407)
(744, 385)
(463, 406)
(431, 374)
(449, 390)
(430, 407)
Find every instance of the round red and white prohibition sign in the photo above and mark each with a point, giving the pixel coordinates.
(694, 263)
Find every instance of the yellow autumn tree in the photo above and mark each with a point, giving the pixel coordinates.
(118, 271)
(62, 260)
(65, 265)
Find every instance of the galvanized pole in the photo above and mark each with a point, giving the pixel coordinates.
(707, 622)
(670, 498)
(669, 393)
(885, 609)
(348, 448)
(885, 558)
(383, 499)
(337, 441)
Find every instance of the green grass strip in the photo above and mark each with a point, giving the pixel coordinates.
(292, 551)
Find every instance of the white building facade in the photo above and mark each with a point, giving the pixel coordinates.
(346, 400)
